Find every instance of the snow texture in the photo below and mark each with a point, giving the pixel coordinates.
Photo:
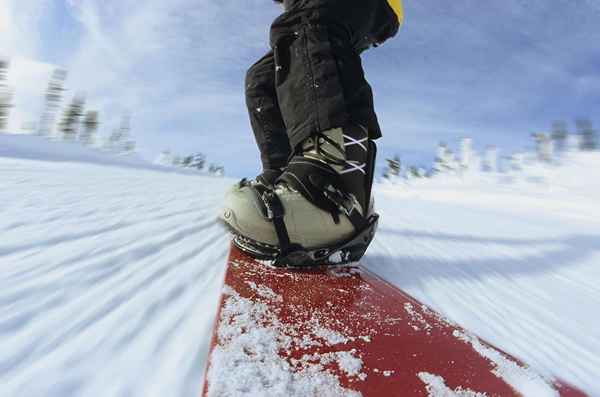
(523, 380)
(110, 273)
(436, 387)
(247, 360)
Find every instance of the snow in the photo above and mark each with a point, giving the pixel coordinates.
(111, 270)
(436, 387)
(522, 379)
(247, 360)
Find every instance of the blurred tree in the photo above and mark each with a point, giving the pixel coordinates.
(216, 170)
(198, 161)
(177, 160)
(120, 140)
(187, 161)
(490, 161)
(90, 128)
(559, 136)
(69, 125)
(53, 97)
(417, 172)
(394, 166)
(587, 134)
(466, 153)
(5, 95)
(544, 147)
(129, 146)
(164, 158)
(445, 160)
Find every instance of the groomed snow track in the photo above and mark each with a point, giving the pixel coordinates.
(110, 276)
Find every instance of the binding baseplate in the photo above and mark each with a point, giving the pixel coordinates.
(351, 250)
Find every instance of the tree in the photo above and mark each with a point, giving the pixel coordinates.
(544, 147)
(187, 161)
(164, 158)
(216, 170)
(490, 161)
(177, 160)
(90, 127)
(587, 134)
(417, 172)
(53, 97)
(445, 160)
(119, 141)
(129, 146)
(69, 126)
(197, 161)
(393, 169)
(466, 153)
(559, 136)
(5, 95)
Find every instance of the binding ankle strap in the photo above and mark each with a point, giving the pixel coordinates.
(321, 185)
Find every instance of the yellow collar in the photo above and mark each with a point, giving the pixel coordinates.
(398, 9)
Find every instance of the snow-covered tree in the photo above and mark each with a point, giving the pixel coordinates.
(129, 146)
(187, 161)
(69, 125)
(490, 159)
(466, 153)
(198, 161)
(544, 147)
(587, 133)
(164, 158)
(53, 98)
(216, 170)
(573, 143)
(5, 95)
(516, 161)
(120, 140)
(445, 161)
(416, 172)
(394, 166)
(559, 136)
(177, 160)
(90, 127)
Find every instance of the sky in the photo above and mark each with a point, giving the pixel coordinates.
(494, 71)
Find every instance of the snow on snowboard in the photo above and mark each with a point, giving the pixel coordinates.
(342, 331)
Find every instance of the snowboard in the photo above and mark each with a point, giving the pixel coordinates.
(343, 331)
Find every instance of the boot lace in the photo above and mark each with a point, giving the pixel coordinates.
(348, 165)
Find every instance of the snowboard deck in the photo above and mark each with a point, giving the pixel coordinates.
(341, 331)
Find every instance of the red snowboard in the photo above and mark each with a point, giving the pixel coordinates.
(344, 331)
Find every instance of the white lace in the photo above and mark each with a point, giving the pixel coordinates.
(355, 166)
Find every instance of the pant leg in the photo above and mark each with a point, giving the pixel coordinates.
(319, 80)
(265, 116)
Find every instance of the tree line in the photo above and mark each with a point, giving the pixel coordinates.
(547, 146)
(76, 123)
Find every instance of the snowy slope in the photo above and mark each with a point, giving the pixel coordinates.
(110, 275)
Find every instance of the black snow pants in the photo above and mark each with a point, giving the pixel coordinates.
(312, 80)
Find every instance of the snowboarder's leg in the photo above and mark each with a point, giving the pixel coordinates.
(322, 200)
(265, 115)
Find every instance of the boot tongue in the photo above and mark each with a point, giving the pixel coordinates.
(330, 147)
(347, 152)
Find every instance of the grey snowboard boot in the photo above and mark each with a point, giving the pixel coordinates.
(320, 203)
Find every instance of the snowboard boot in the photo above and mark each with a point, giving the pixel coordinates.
(319, 211)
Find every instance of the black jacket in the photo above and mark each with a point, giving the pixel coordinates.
(366, 22)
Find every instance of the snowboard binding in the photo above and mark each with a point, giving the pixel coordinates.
(295, 255)
(288, 254)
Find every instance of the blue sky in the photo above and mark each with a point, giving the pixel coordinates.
(495, 71)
